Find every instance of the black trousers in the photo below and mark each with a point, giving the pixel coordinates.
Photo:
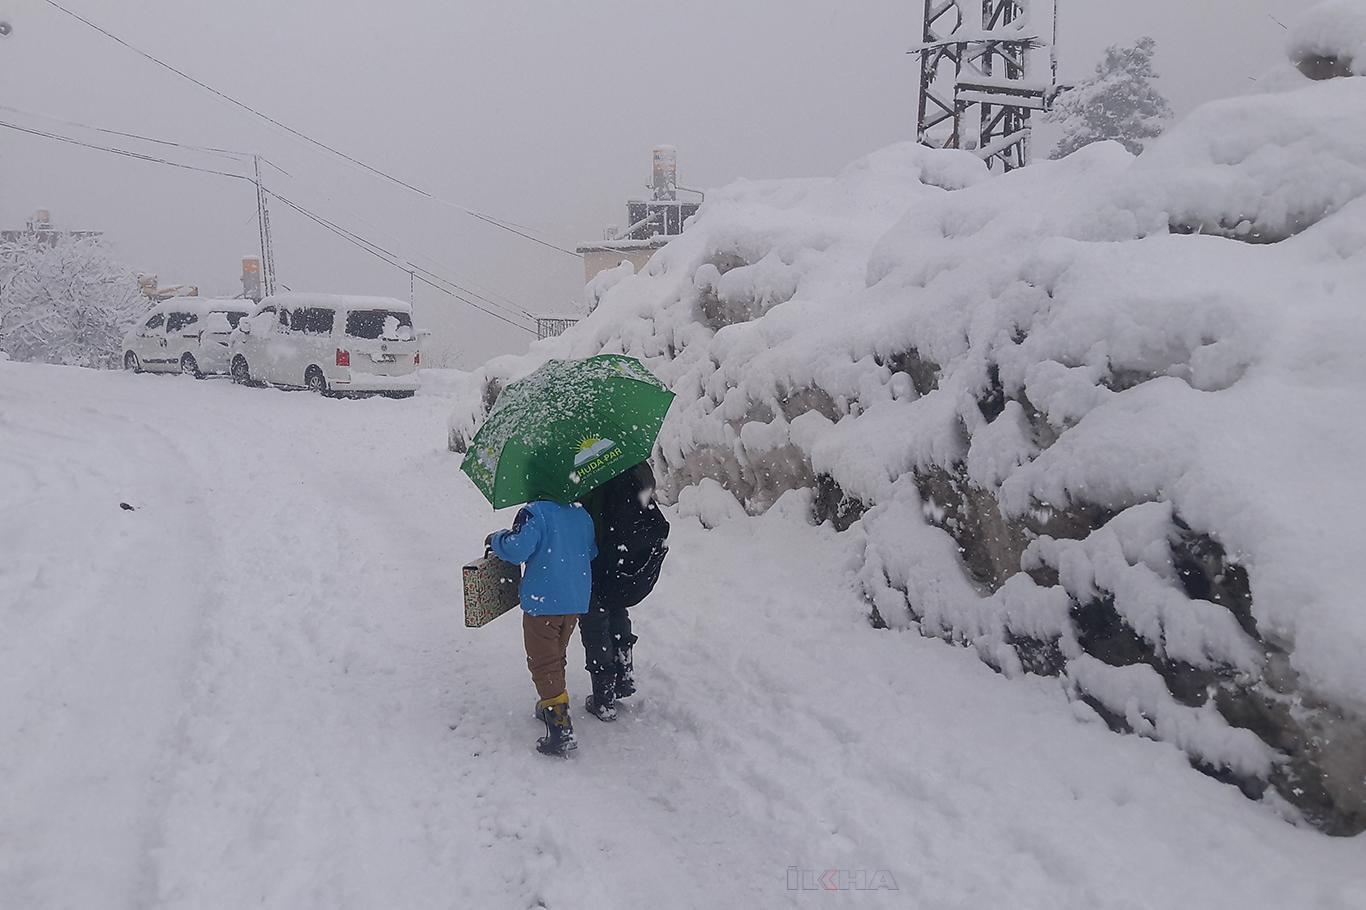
(604, 629)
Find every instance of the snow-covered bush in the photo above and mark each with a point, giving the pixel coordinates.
(1119, 103)
(70, 303)
(1081, 433)
(603, 282)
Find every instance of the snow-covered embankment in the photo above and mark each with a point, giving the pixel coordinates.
(1098, 419)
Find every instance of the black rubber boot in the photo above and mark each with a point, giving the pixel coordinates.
(559, 730)
(602, 704)
(625, 669)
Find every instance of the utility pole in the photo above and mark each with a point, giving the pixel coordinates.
(1053, 51)
(412, 288)
(263, 228)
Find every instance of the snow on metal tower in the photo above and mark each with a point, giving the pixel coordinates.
(975, 88)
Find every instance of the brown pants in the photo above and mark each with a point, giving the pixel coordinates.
(547, 639)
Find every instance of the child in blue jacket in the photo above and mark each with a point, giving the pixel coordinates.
(555, 545)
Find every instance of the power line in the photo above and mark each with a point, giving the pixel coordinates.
(462, 289)
(498, 223)
(124, 152)
(515, 313)
(233, 154)
(393, 259)
(488, 295)
(513, 308)
(208, 149)
(427, 276)
(512, 230)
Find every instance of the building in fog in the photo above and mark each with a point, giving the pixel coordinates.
(651, 222)
(39, 229)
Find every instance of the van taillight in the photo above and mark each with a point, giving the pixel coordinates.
(417, 359)
(343, 358)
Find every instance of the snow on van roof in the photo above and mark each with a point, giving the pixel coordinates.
(202, 306)
(294, 299)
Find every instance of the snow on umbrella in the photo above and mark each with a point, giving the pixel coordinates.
(567, 428)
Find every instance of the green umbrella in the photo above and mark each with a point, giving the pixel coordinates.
(568, 427)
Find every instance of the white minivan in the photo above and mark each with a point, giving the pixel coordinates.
(330, 343)
(184, 335)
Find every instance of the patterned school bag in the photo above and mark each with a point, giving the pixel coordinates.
(491, 587)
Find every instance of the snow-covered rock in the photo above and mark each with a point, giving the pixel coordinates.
(1329, 40)
(1258, 169)
(1085, 429)
(710, 503)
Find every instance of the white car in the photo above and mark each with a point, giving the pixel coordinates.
(184, 335)
(332, 344)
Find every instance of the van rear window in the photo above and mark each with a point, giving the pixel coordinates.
(312, 321)
(376, 323)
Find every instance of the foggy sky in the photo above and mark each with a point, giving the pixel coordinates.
(541, 112)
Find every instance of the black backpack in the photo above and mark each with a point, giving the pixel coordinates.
(631, 536)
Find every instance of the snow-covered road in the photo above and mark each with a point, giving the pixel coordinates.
(254, 689)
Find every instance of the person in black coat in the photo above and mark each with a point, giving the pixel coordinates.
(632, 536)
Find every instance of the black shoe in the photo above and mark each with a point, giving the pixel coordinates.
(559, 731)
(625, 672)
(602, 704)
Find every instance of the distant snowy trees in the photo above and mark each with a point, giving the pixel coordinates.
(67, 303)
(1119, 102)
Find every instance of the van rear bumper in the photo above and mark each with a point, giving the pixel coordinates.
(353, 381)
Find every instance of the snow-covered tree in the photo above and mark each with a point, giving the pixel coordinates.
(68, 303)
(1119, 102)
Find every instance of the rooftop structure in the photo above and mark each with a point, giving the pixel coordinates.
(651, 222)
(40, 229)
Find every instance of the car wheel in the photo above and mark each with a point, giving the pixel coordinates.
(190, 367)
(130, 362)
(315, 381)
(241, 373)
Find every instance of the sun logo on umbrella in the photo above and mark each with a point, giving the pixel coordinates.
(484, 459)
(591, 447)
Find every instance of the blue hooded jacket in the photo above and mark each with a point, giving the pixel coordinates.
(556, 544)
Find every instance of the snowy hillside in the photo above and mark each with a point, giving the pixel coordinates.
(1097, 419)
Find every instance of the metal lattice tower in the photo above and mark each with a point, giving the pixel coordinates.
(975, 90)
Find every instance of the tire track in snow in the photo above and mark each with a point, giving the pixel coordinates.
(112, 596)
(299, 790)
(231, 809)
